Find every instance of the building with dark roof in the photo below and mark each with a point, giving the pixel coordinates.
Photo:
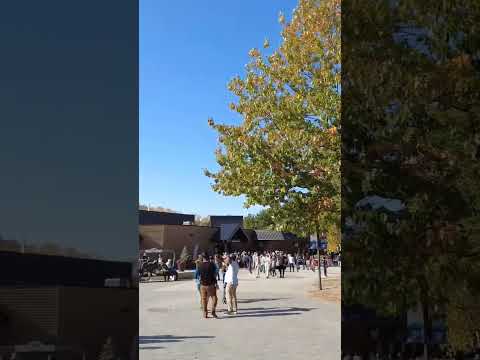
(147, 217)
(59, 270)
(224, 233)
(270, 235)
(217, 221)
(56, 300)
(278, 240)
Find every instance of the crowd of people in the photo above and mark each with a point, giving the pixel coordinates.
(157, 265)
(224, 268)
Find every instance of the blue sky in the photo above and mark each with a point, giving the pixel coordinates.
(189, 50)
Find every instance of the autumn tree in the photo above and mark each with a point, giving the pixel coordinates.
(285, 154)
(410, 132)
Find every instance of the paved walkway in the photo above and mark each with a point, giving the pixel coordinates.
(276, 320)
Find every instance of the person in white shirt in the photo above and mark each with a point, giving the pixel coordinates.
(257, 265)
(291, 263)
(231, 280)
(268, 263)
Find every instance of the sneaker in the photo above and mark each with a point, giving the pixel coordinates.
(205, 316)
(215, 315)
(235, 313)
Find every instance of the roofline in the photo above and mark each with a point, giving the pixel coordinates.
(165, 212)
(227, 215)
(193, 225)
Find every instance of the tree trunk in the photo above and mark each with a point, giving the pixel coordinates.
(427, 326)
(317, 229)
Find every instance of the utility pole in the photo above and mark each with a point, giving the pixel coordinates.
(317, 229)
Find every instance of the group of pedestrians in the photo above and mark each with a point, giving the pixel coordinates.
(223, 269)
(258, 262)
(269, 262)
(209, 271)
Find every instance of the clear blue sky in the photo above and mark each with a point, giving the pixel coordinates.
(189, 50)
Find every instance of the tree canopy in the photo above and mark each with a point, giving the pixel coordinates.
(285, 154)
(410, 132)
(261, 221)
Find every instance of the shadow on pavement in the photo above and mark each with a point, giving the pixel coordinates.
(248, 301)
(151, 347)
(267, 312)
(160, 339)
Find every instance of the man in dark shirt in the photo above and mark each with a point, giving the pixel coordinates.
(208, 285)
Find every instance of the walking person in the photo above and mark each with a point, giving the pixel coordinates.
(273, 265)
(281, 265)
(217, 269)
(291, 263)
(267, 264)
(197, 279)
(231, 280)
(208, 285)
(218, 264)
(257, 265)
(224, 293)
(223, 268)
(296, 260)
(250, 263)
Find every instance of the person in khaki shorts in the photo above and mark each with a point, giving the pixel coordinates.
(231, 279)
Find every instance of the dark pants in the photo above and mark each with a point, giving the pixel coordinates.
(291, 267)
(282, 270)
(325, 270)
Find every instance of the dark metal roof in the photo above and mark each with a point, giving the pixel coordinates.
(227, 231)
(217, 221)
(265, 235)
(163, 218)
(230, 232)
(59, 270)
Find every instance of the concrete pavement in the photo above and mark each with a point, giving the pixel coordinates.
(276, 320)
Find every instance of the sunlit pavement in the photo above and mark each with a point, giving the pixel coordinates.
(276, 320)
